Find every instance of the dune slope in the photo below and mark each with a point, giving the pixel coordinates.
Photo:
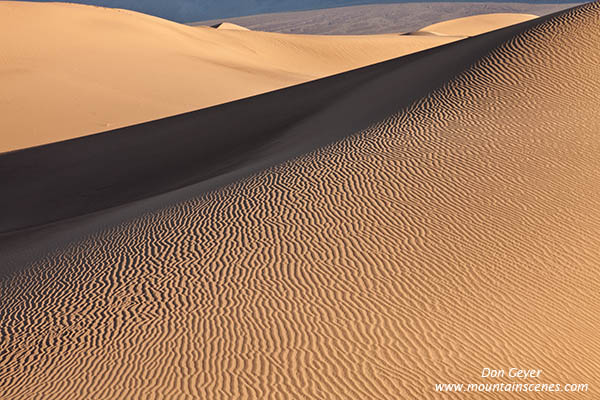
(226, 142)
(69, 70)
(475, 25)
(461, 233)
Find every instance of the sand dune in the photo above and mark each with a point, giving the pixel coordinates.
(461, 232)
(94, 69)
(230, 26)
(73, 178)
(475, 25)
(382, 18)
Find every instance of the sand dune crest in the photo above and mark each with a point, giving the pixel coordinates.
(230, 26)
(475, 25)
(130, 164)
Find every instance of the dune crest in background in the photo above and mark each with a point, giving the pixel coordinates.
(382, 18)
(69, 70)
(230, 26)
(475, 25)
(461, 233)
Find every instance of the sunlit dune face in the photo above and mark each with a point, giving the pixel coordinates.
(70, 70)
(475, 25)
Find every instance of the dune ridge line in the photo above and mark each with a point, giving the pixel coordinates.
(80, 176)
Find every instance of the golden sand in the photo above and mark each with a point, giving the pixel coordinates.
(459, 234)
(69, 70)
(475, 25)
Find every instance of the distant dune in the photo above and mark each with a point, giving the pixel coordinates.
(457, 232)
(196, 10)
(230, 26)
(474, 25)
(70, 70)
(382, 18)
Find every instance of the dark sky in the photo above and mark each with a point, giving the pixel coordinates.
(198, 10)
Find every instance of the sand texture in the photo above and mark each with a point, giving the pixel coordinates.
(69, 70)
(461, 231)
(475, 25)
(381, 18)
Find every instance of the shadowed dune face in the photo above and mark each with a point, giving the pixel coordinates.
(461, 233)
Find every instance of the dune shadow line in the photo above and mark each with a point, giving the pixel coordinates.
(63, 180)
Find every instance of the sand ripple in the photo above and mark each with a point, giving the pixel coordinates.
(461, 233)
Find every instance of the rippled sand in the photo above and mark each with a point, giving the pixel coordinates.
(460, 233)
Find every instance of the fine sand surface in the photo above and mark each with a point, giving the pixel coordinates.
(474, 25)
(460, 232)
(382, 18)
(69, 70)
